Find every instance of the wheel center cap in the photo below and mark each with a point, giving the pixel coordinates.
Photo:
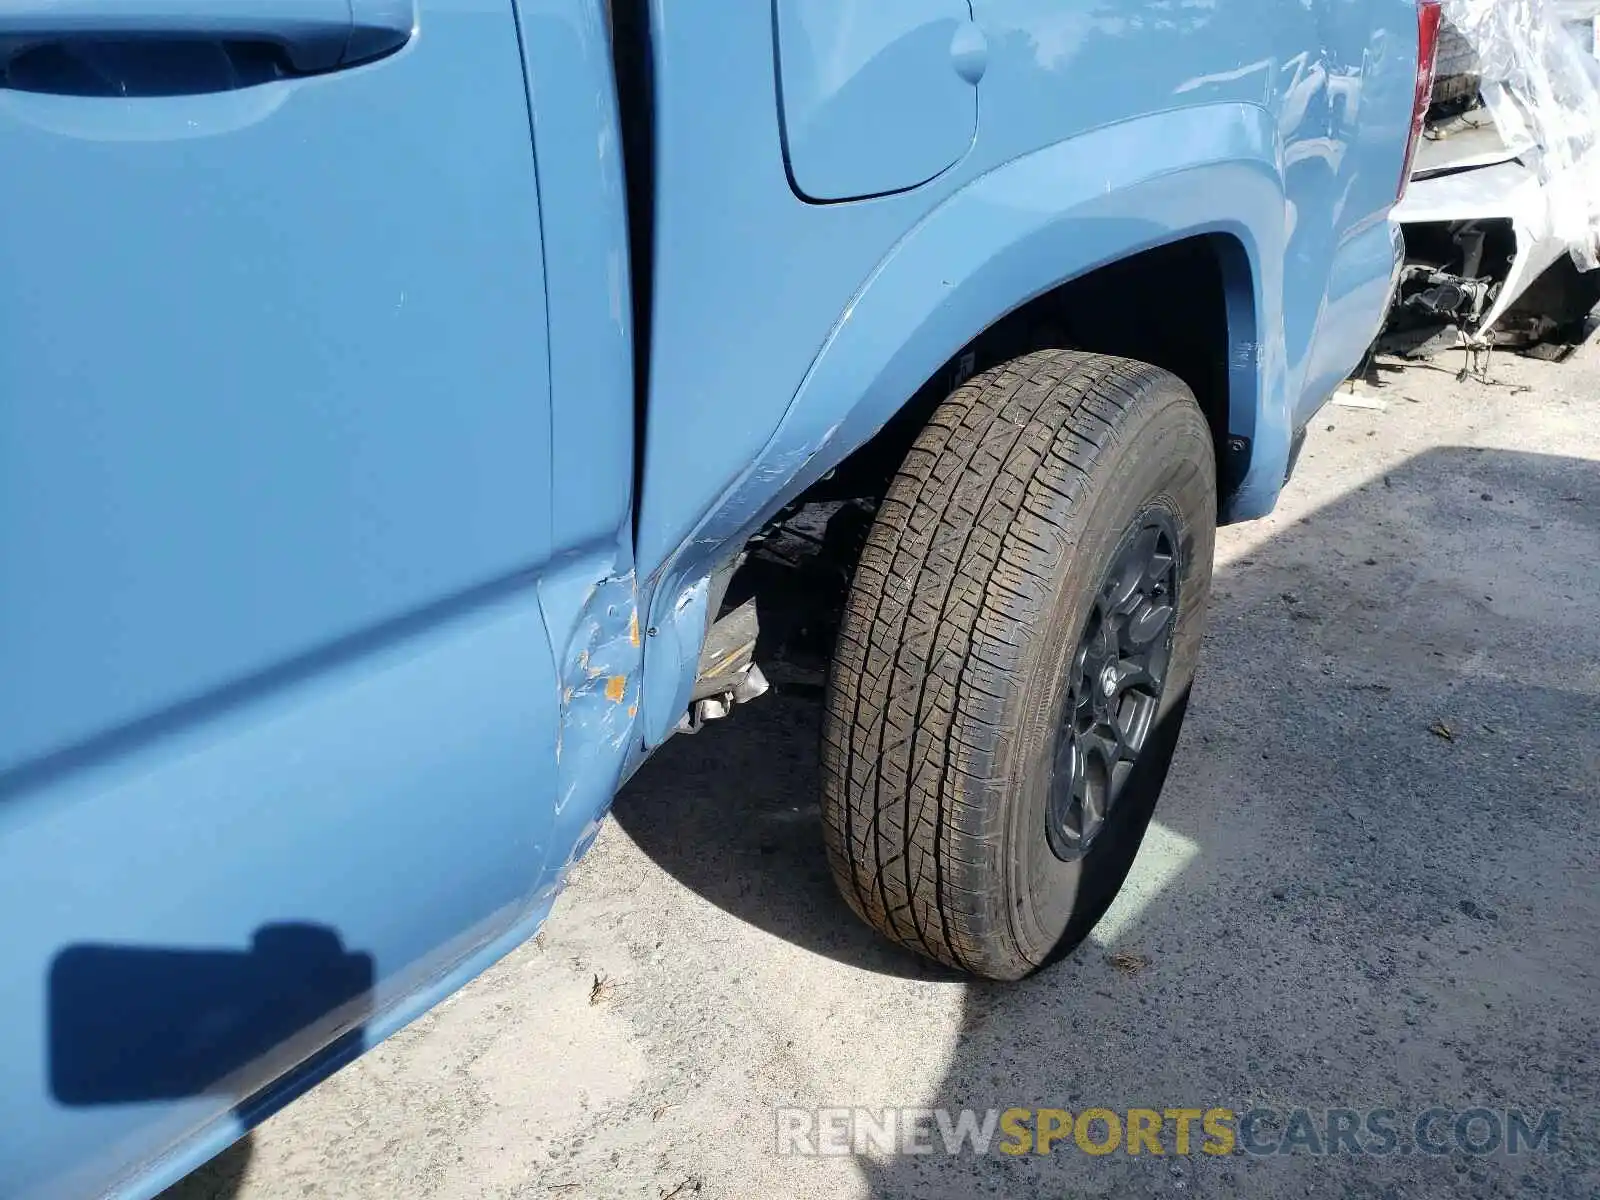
(1108, 680)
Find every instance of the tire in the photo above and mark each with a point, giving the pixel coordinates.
(983, 570)
(1455, 67)
(1453, 54)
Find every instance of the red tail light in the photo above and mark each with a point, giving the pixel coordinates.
(1427, 43)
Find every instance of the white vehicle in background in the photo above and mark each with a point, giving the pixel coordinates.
(1502, 215)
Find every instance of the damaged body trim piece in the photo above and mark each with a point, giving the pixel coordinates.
(1504, 191)
(673, 644)
(596, 597)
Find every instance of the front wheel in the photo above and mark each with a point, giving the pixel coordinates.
(1016, 656)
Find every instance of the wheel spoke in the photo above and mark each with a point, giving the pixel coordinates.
(1061, 764)
(1132, 674)
(1105, 641)
(1123, 595)
(1106, 743)
(1148, 623)
(1133, 722)
(1080, 778)
(1079, 658)
(1093, 812)
(1133, 575)
(1083, 714)
(1157, 567)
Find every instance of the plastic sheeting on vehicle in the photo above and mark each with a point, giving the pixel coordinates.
(1541, 84)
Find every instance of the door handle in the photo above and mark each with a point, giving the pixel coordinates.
(313, 35)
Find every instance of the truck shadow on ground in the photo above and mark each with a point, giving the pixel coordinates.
(1372, 881)
(222, 1178)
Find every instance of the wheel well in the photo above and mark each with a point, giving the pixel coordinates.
(1185, 306)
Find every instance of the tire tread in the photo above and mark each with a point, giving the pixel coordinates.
(949, 579)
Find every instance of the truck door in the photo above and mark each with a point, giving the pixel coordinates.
(280, 673)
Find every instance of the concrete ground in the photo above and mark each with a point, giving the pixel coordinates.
(1373, 883)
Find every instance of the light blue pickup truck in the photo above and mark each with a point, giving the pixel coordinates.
(389, 392)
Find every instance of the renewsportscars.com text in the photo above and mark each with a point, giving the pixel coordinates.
(1162, 1131)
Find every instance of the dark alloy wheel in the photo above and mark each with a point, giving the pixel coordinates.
(1114, 683)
